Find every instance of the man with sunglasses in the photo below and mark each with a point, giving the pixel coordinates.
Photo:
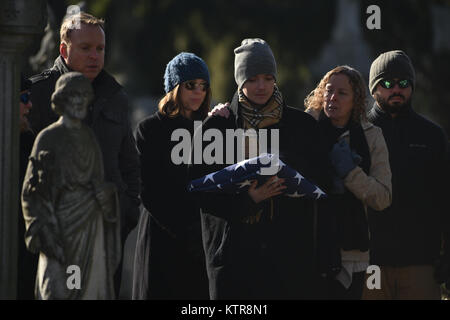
(406, 237)
(82, 49)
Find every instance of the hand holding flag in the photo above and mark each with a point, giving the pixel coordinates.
(238, 178)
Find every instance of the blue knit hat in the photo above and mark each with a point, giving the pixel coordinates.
(184, 67)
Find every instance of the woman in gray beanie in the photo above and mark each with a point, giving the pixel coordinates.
(260, 244)
(169, 260)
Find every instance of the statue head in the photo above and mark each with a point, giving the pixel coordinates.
(72, 95)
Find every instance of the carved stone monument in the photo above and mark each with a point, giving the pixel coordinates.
(71, 214)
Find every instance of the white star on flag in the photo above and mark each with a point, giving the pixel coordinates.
(319, 193)
(209, 177)
(241, 164)
(295, 195)
(299, 177)
(244, 183)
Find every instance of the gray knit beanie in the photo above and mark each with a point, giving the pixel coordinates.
(389, 65)
(253, 57)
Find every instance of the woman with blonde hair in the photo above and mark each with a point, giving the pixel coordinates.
(362, 175)
(169, 262)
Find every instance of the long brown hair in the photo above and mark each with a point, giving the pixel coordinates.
(171, 105)
(315, 98)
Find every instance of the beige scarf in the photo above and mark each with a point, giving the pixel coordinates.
(258, 118)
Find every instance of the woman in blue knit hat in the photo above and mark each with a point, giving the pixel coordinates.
(169, 261)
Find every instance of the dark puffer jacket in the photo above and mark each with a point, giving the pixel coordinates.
(409, 231)
(274, 258)
(108, 116)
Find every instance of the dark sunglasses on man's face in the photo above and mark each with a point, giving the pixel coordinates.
(192, 85)
(25, 97)
(389, 84)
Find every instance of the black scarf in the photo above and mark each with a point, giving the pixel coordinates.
(351, 217)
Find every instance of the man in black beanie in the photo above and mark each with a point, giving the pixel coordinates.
(406, 237)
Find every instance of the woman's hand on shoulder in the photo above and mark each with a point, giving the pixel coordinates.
(220, 110)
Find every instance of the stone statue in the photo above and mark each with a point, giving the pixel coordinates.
(71, 214)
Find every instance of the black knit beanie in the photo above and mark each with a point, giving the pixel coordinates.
(389, 65)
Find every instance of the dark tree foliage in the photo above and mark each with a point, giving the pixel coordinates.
(143, 35)
(152, 32)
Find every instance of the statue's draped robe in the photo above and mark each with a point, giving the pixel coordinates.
(64, 176)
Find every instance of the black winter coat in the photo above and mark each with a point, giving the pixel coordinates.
(274, 258)
(108, 116)
(409, 231)
(27, 262)
(169, 259)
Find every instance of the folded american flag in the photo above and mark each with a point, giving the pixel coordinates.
(237, 178)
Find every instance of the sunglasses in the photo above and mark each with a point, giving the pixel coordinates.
(25, 97)
(192, 85)
(389, 84)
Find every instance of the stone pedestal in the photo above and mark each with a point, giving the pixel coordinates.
(20, 20)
